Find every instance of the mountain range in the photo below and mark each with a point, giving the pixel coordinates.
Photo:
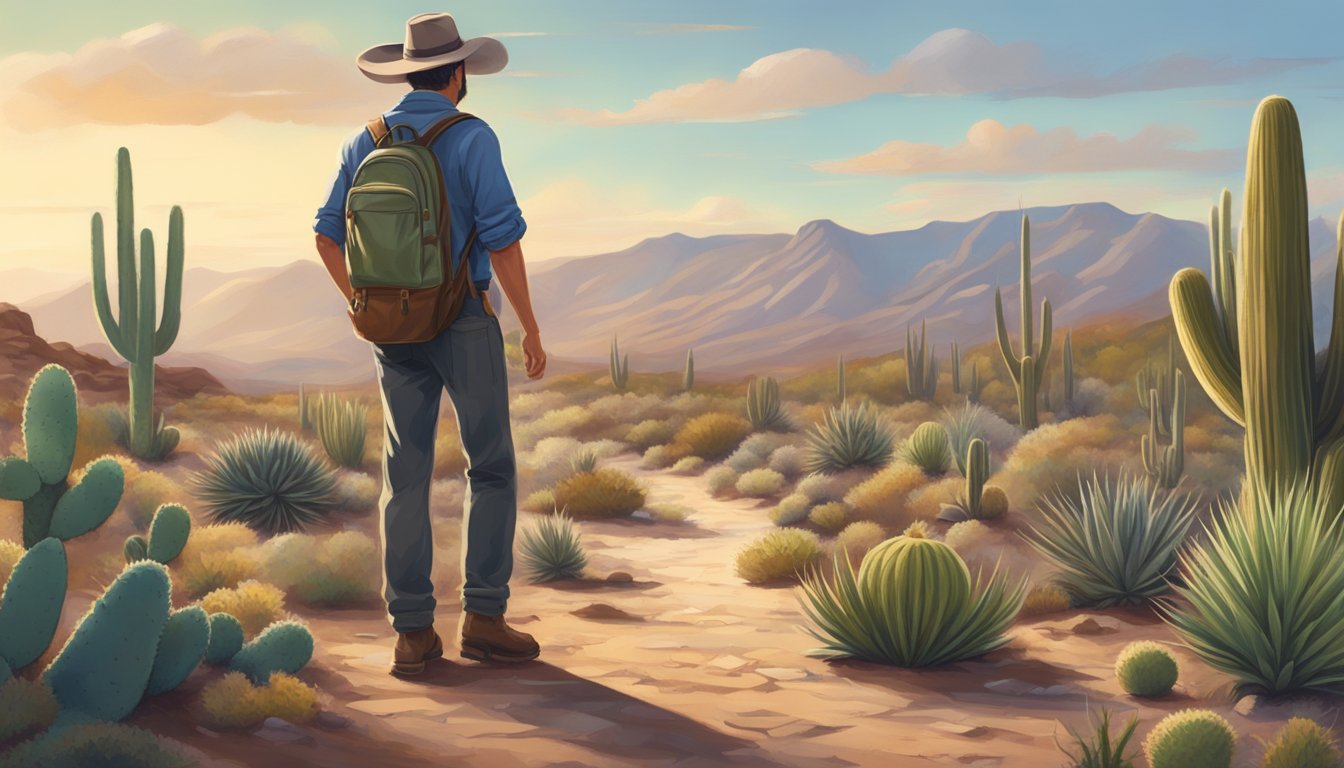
(745, 303)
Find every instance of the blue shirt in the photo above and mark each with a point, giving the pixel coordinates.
(479, 192)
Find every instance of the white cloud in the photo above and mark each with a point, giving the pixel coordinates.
(990, 147)
(950, 62)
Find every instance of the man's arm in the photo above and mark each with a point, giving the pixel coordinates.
(512, 274)
(333, 258)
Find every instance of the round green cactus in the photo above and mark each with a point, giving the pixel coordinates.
(226, 638)
(168, 533)
(993, 503)
(928, 448)
(1191, 738)
(1302, 743)
(91, 501)
(182, 645)
(30, 607)
(135, 549)
(925, 579)
(285, 646)
(1146, 669)
(50, 421)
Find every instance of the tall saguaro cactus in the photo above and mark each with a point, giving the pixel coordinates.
(688, 377)
(1068, 369)
(956, 369)
(1165, 465)
(921, 365)
(619, 367)
(1266, 377)
(1027, 370)
(132, 332)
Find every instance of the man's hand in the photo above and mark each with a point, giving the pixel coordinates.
(534, 356)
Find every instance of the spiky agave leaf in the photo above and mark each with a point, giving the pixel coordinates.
(341, 428)
(552, 549)
(849, 436)
(1116, 544)
(1100, 751)
(963, 424)
(268, 479)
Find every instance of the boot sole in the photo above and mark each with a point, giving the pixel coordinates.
(411, 668)
(486, 653)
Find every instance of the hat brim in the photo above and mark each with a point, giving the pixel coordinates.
(386, 64)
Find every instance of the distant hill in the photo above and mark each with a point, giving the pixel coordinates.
(744, 302)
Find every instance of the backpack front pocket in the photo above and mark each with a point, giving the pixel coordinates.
(390, 239)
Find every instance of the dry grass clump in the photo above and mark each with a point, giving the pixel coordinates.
(754, 452)
(94, 435)
(539, 502)
(884, 497)
(659, 457)
(925, 503)
(449, 458)
(650, 432)
(688, 465)
(569, 421)
(833, 487)
(792, 510)
(146, 493)
(722, 481)
(10, 552)
(357, 491)
(858, 538)
(829, 517)
(966, 534)
(789, 461)
(1053, 456)
(340, 569)
(760, 483)
(26, 707)
(530, 405)
(216, 556)
(254, 604)
(711, 436)
(233, 701)
(1044, 599)
(779, 556)
(602, 493)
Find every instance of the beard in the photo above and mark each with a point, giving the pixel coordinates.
(462, 89)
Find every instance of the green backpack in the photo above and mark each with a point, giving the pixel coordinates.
(406, 288)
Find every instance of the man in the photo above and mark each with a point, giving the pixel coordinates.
(467, 359)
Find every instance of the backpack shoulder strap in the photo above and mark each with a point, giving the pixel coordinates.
(434, 131)
(377, 128)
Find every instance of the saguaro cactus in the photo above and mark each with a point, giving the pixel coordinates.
(688, 378)
(1027, 370)
(1148, 380)
(1068, 369)
(1165, 465)
(619, 366)
(976, 386)
(132, 333)
(1267, 378)
(956, 369)
(921, 366)
(840, 378)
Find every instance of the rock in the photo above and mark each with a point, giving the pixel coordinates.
(604, 612)
(1090, 626)
(620, 577)
(1054, 692)
(960, 729)
(366, 635)
(783, 673)
(201, 729)
(642, 514)
(729, 663)
(1011, 687)
(331, 721)
(283, 732)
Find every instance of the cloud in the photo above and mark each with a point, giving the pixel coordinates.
(162, 74)
(950, 62)
(990, 147)
(678, 29)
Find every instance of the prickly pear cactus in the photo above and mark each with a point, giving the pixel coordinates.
(285, 646)
(30, 607)
(182, 645)
(168, 533)
(226, 638)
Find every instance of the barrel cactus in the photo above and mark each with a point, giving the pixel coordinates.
(1191, 738)
(285, 646)
(1301, 743)
(1146, 669)
(928, 448)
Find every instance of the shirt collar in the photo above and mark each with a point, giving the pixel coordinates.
(427, 101)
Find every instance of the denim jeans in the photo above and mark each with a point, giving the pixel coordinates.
(468, 361)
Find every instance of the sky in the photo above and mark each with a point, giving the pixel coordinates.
(626, 119)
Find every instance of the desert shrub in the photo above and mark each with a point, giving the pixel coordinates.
(754, 452)
(541, 501)
(857, 539)
(10, 552)
(583, 460)
(254, 604)
(1101, 749)
(928, 448)
(711, 436)
(356, 492)
(822, 488)
(530, 405)
(1117, 545)
(566, 421)
(97, 744)
(1044, 599)
(552, 549)
(1301, 743)
(669, 513)
(216, 556)
(849, 436)
(778, 556)
(792, 510)
(966, 534)
(912, 603)
(340, 569)
(1089, 399)
(342, 427)
(552, 459)
(829, 517)
(1146, 669)
(268, 479)
(600, 494)
(26, 707)
(883, 496)
(649, 433)
(760, 483)
(688, 465)
(1191, 738)
(145, 494)
(659, 457)
(629, 407)
(788, 460)
(1050, 458)
(721, 481)
(232, 701)
(96, 433)
(1263, 595)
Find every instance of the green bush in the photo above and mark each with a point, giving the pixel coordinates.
(778, 556)
(552, 550)
(96, 744)
(1263, 596)
(26, 707)
(341, 426)
(928, 448)
(760, 483)
(849, 436)
(1116, 544)
(1191, 738)
(912, 603)
(1102, 750)
(329, 571)
(603, 493)
(268, 479)
(1146, 669)
(1301, 743)
(792, 510)
(829, 517)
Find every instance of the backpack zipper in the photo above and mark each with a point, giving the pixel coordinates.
(405, 302)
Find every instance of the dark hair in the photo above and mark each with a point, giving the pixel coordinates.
(435, 79)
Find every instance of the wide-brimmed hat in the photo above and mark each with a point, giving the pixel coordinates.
(431, 41)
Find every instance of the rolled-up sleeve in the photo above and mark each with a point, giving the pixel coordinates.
(330, 220)
(499, 221)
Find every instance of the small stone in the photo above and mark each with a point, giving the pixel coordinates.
(1010, 687)
(283, 732)
(1090, 626)
(201, 729)
(366, 635)
(1246, 705)
(783, 673)
(729, 663)
(604, 612)
(331, 721)
(528, 619)
(620, 577)
(960, 729)
(1054, 691)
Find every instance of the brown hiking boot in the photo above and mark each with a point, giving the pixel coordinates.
(414, 649)
(490, 638)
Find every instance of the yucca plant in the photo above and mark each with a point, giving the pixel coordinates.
(270, 480)
(1265, 594)
(619, 367)
(764, 408)
(1117, 543)
(162, 438)
(340, 427)
(584, 460)
(928, 448)
(963, 424)
(848, 436)
(1101, 750)
(912, 603)
(552, 549)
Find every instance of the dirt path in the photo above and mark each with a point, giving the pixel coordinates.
(708, 671)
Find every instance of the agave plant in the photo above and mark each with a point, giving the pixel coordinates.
(584, 461)
(162, 440)
(341, 428)
(963, 424)
(1102, 750)
(552, 550)
(1116, 544)
(268, 479)
(1265, 594)
(912, 603)
(849, 436)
